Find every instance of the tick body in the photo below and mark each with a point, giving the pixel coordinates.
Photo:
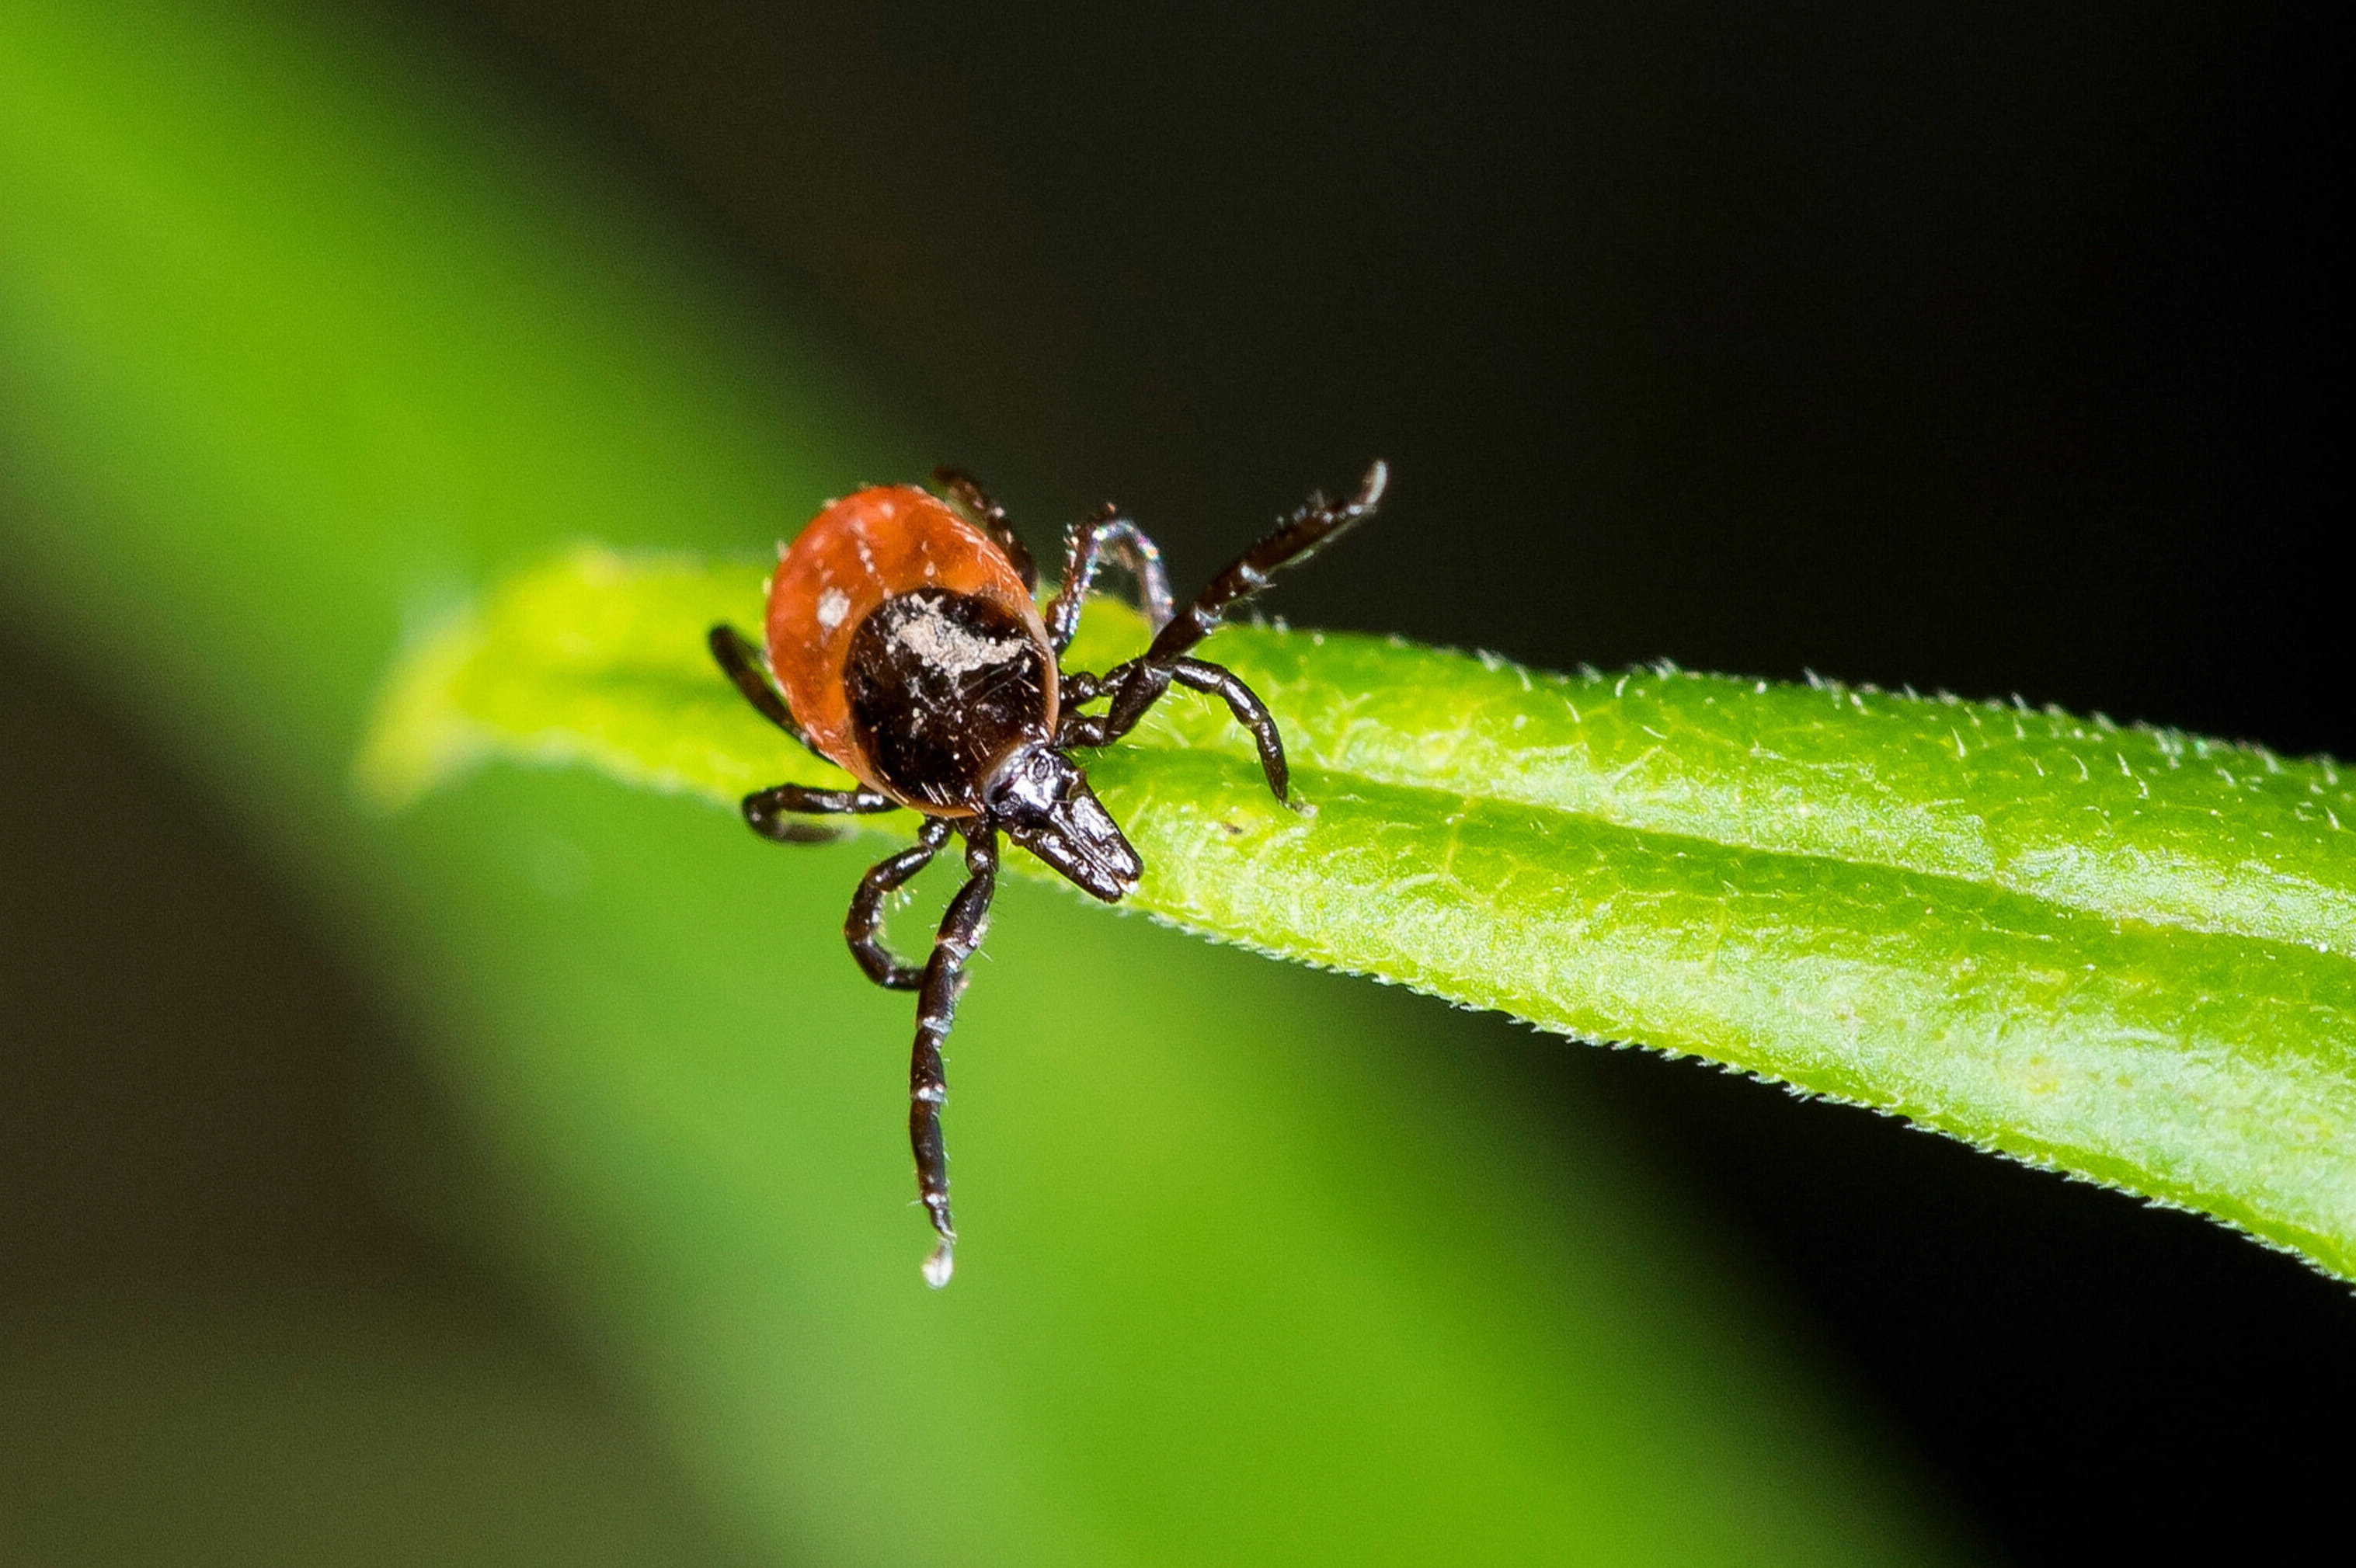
(905, 645)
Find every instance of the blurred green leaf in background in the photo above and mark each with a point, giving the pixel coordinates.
(307, 334)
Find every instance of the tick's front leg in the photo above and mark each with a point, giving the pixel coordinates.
(864, 927)
(936, 999)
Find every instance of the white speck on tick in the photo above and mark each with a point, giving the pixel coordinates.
(947, 646)
(833, 606)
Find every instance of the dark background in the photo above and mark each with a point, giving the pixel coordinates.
(1997, 350)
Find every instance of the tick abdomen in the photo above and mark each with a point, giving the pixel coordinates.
(858, 557)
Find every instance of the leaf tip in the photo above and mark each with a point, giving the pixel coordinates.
(418, 737)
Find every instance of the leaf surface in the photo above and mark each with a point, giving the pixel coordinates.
(2123, 952)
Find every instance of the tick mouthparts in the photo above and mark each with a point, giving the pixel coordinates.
(1086, 848)
(1044, 802)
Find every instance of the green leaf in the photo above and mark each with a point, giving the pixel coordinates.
(2123, 951)
(307, 332)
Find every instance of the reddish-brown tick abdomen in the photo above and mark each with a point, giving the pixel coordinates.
(857, 553)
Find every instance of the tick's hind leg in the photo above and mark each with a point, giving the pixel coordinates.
(970, 497)
(944, 978)
(743, 664)
(864, 929)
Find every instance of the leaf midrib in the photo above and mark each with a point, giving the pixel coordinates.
(2244, 897)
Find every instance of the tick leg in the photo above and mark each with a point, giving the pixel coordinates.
(1107, 532)
(770, 812)
(1250, 711)
(741, 663)
(1139, 684)
(970, 497)
(1318, 523)
(864, 929)
(936, 999)
(1098, 729)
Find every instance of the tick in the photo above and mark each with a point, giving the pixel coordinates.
(905, 645)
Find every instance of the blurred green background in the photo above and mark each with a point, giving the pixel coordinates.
(519, 1179)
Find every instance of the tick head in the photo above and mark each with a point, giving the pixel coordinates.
(1043, 801)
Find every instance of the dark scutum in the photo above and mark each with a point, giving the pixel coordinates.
(943, 686)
